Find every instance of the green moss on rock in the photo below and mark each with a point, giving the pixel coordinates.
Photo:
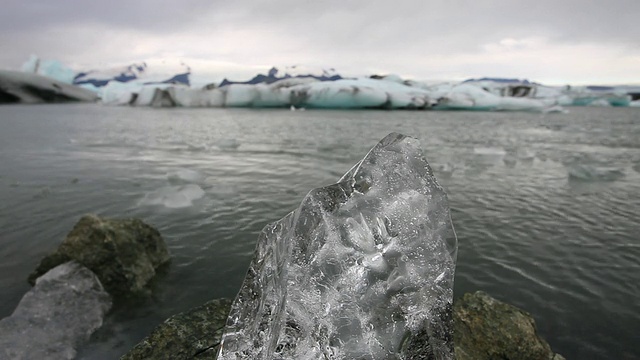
(123, 253)
(194, 334)
(485, 328)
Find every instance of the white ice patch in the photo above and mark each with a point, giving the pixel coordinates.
(174, 197)
(181, 176)
(489, 151)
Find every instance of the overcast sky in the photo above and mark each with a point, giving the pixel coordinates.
(550, 41)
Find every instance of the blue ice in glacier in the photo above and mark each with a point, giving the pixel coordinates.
(362, 269)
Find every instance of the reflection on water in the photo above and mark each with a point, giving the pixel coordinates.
(210, 179)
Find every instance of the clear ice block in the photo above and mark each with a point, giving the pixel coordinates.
(362, 269)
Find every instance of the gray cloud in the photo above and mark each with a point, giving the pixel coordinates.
(353, 33)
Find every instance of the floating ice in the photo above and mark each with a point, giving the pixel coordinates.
(50, 68)
(489, 151)
(363, 269)
(583, 172)
(181, 176)
(228, 144)
(173, 197)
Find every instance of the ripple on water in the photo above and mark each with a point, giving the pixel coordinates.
(566, 251)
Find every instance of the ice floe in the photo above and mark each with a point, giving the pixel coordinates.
(589, 173)
(174, 197)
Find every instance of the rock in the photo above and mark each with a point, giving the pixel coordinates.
(486, 328)
(194, 334)
(26, 88)
(124, 254)
(66, 305)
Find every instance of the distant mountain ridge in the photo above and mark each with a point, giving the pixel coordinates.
(289, 72)
(137, 72)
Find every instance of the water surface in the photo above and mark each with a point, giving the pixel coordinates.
(545, 206)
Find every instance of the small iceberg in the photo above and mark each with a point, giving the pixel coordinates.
(182, 176)
(489, 151)
(228, 144)
(589, 173)
(174, 197)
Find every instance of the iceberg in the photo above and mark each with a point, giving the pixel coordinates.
(125, 82)
(174, 196)
(362, 269)
(376, 92)
(29, 88)
(593, 173)
(147, 84)
(287, 93)
(466, 96)
(50, 68)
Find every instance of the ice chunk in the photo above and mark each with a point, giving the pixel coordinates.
(179, 196)
(363, 269)
(64, 308)
(587, 173)
(50, 68)
(181, 176)
(228, 144)
(489, 151)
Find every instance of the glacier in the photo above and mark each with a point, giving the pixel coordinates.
(362, 269)
(50, 68)
(141, 84)
(359, 93)
(134, 75)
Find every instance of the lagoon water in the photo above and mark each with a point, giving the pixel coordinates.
(546, 207)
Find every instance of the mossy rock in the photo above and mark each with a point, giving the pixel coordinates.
(123, 253)
(486, 328)
(194, 334)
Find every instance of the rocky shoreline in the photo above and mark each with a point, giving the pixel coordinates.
(484, 329)
(122, 256)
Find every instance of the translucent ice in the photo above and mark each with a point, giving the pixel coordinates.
(363, 269)
(174, 197)
(184, 176)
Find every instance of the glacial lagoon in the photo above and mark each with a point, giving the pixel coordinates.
(545, 206)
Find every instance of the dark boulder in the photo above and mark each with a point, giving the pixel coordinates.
(194, 334)
(486, 328)
(124, 254)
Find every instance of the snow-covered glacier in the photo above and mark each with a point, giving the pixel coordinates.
(134, 75)
(141, 84)
(358, 93)
(296, 92)
(362, 269)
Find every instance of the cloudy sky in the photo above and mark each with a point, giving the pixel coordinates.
(551, 41)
